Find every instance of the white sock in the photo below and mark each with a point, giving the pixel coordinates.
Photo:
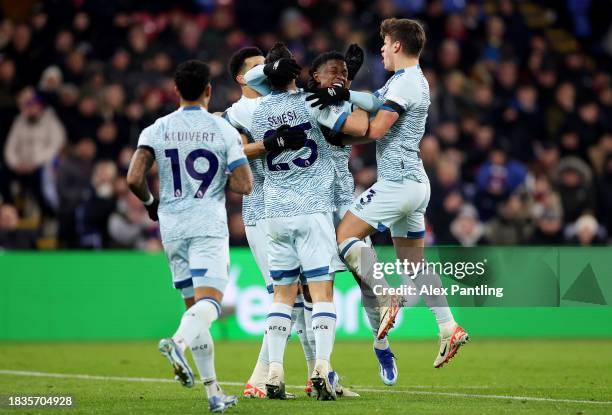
(300, 328)
(382, 344)
(260, 372)
(309, 335)
(203, 352)
(437, 304)
(279, 328)
(368, 299)
(360, 259)
(324, 327)
(198, 316)
(212, 388)
(194, 332)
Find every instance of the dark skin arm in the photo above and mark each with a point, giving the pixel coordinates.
(141, 163)
(241, 180)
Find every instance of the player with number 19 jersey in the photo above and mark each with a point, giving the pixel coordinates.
(193, 150)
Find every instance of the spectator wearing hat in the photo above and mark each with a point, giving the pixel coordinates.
(466, 229)
(585, 231)
(574, 181)
(34, 140)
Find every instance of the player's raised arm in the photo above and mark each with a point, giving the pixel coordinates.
(257, 77)
(386, 116)
(282, 139)
(340, 120)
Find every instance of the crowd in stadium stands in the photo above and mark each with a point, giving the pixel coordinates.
(519, 137)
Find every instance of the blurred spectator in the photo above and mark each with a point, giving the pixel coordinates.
(73, 180)
(585, 231)
(548, 214)
(574, 181)
(513, 224)
(129, 225)
(497, 178)
(548, 229)
(446, 198)
(466, 229)
(11, 237)
(92, 215)
(34, 140)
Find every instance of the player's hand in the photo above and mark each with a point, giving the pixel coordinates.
(287, 69)
(324, 97)
(354, 59)
(152, 210)
(285, 138)
(331, 138)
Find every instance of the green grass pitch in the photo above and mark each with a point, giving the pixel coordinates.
(487, 377)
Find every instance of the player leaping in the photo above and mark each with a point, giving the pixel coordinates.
(193, 149)
(399, 198)
(327, 70)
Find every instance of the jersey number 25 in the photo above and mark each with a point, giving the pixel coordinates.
(300, 162)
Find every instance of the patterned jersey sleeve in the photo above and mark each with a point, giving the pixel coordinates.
(233, 144)
(147, 139)
(240, 115)
(257, 80)
(332, 117)
(403, 94)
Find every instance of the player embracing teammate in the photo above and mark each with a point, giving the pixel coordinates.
(298, 190)
(398, 200)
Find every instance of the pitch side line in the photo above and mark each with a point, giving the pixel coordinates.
(357, 388)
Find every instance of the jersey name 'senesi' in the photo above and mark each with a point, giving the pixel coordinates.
(297, 182)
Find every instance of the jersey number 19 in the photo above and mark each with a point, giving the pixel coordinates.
(205, 178)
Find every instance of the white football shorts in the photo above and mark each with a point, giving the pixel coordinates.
(198, 262)
(256, 236)
(303, 244)
(399, 206)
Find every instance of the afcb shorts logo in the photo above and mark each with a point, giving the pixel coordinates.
(200, 347)
(278, 328)
(367, 198)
